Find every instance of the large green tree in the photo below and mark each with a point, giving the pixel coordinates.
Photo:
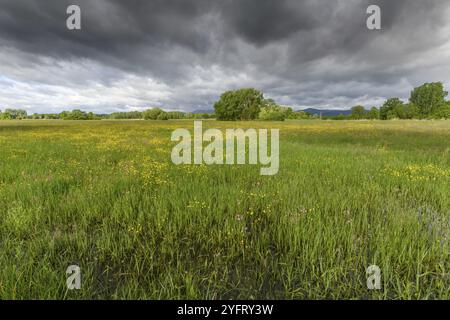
(429, 97)
(373, 114)
(5, 116)
(16, 114)
(78, 115)
(74, 115)
(387, 111)
(243, 104)
(358, 112)
(406, 111)
(443, 112)
(152, 114)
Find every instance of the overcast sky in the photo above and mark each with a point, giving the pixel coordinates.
(182, 54)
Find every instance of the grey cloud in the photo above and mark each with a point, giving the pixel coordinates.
(183, 53)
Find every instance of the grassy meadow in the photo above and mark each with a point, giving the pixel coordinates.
(105, 195)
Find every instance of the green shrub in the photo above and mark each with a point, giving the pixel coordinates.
(273, 113)
(152, 114)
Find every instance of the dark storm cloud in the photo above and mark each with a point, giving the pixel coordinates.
(125, 34)
(183, 53)
(261, 22)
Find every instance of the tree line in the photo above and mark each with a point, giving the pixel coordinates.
(425, 102)
(149, 114)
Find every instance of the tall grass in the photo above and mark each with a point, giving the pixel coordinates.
(105, 196)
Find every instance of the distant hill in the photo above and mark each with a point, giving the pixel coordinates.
(328, 112)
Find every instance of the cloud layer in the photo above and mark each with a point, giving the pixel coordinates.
(182, 54)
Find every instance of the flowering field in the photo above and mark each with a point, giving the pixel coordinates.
(104, 195)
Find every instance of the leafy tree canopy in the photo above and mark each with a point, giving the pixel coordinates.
(428, 97)
(243, 104)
